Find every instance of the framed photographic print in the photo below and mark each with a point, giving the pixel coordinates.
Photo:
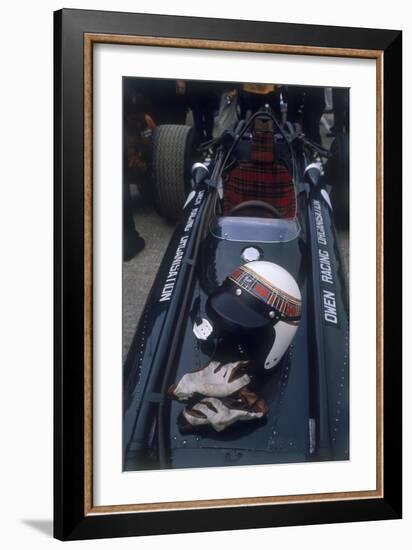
(227, 245)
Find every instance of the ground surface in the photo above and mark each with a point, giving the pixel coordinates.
(139, 273)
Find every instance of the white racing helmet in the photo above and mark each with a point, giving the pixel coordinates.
(260, 295)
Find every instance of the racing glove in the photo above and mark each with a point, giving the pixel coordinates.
(212, 380)
(217, 413)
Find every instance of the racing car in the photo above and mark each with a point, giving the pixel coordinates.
(241, 354)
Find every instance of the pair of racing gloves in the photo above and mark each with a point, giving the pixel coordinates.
(218, 395)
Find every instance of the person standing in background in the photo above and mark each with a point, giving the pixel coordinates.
(253, 96)
(313, 107)
(137, 126)
(305, 105)
(340, 111)
(203, 100)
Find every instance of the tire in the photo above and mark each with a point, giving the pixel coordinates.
(337, 174)
(172, 156)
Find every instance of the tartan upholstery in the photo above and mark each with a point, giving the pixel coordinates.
(262, 147)
(261, 179)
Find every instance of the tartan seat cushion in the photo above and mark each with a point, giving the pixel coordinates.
(261, 178)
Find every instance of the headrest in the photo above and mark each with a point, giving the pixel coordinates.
(262, 147)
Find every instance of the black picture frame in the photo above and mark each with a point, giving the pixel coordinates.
(71, 519)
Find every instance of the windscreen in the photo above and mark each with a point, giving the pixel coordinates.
(249, 229)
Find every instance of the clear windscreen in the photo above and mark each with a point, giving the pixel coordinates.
(250, 229)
